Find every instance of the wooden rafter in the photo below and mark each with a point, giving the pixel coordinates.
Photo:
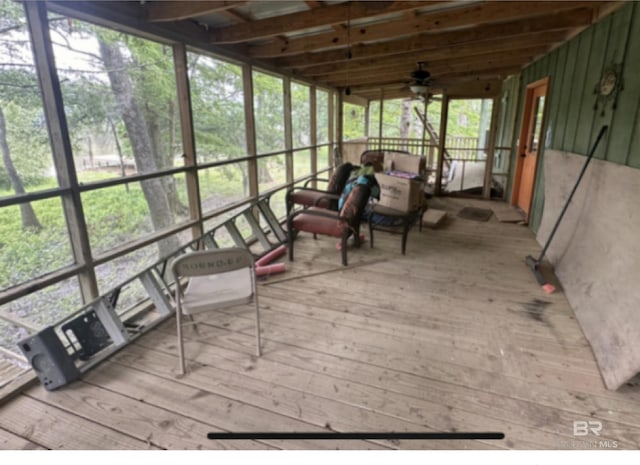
(323, 16)
(511, 31)
(397, 73)
(459, 51)
(177, 10)
(473, 15)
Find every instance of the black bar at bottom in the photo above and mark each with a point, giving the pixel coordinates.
(362, 436)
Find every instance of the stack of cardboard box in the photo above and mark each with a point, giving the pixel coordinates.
(402, 182)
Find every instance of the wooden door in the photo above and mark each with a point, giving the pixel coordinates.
(529, 146)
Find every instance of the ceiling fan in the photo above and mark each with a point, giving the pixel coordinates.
(420, 80)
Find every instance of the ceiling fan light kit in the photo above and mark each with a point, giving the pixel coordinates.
(420, 80)
(419, 89)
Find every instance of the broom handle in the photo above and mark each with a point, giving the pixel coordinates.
(575, 187)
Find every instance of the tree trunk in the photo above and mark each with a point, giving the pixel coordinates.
(164, 160)
(29, 218)
(154, 193)
(123, 169)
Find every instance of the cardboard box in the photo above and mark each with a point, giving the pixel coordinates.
(394, 161)
(400, 193)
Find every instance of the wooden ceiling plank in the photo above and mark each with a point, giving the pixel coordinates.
(160, 11)
(477, 89)
(571, 19)
(426, 56)
(465, 16)
(403, 70)
(316, 17)
(498, 74)
(438, 68)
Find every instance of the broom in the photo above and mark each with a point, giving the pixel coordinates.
(532, 262)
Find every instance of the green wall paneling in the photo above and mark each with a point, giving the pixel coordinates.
(574, 71)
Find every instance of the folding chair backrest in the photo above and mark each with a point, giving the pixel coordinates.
(212, 262)
(217, 279)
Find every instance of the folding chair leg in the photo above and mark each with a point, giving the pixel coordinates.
(180, 341)
(195, 325)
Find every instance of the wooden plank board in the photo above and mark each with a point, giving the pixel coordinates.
(432, 217)
(613, 406)
(426, 357)
(268, 392)
(9, 372)
(183, 400)
(156, 426)
(10, 441)
(53, 428)
(438, 407)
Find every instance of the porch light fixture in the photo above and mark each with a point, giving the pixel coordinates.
(419, 89)
(420, 80)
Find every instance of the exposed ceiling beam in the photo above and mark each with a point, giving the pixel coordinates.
(176, 10)
(481, 89)
(448, 80)
(397, 73)
(478, 89)
(459, 51)
(402, 71)
(570, 19)
(460, 17)
(323, 16)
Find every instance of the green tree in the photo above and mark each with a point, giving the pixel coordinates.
(217, 99)
(18, 99)
(140, 138)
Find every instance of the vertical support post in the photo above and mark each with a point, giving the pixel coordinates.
(36, 13)
(491, 148)
(188, 139)
(366, 119)
(332, 127)
(250, 126)
(442, 137)
(313, 127)
(340, 123)
(288, 129)
(380, 115)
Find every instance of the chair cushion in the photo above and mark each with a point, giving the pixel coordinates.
(328, 226)
(210, 292)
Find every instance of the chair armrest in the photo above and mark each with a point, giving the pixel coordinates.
(310, 189)
(323, 213)
(308, 181)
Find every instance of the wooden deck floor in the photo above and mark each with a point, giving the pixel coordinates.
(454, 336)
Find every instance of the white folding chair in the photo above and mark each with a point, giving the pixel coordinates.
(217, 279)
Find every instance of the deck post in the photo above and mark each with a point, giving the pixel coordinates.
(36, 13)
(188, 139)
